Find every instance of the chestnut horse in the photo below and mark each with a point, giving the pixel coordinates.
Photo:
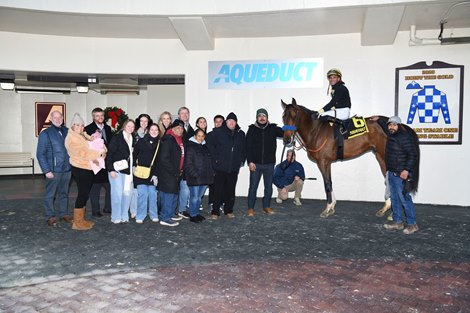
(318, 139)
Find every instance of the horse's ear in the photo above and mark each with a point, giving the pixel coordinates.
(283, 104)
(294, 103)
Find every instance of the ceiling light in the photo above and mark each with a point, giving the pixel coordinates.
(31, 90)
(82, 87)
(7, 84)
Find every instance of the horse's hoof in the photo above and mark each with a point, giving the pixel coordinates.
(380, 213)
(325, 213)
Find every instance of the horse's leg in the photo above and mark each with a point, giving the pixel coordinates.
(380, 156)
(325, 169)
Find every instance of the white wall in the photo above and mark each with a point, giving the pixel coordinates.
(369, 73)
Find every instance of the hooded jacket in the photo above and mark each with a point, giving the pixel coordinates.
(168, 164)
(198, 164)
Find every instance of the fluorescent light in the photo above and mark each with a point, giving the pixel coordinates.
(7, 85)
(43, 91)
(82, 89)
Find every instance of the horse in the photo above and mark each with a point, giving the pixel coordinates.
(317, 137)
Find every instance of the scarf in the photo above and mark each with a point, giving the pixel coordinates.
(179, 141)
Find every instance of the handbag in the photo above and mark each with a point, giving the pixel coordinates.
(120, 165)
(144, 171)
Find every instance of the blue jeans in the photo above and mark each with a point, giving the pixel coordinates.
(58, 185)
(146, 197)
(400, 201)
(168, 203)
(120, 200)
(195, 197)
(183, 196)
(267, 171)
(133, 205)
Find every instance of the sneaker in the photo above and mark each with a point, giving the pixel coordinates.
(297, 201)
(67, 219)
(132, 215)
(184, 215)
(410, 229)
(214, 216)
(250, 212)
(155, 220)
(394, 225)
(230, 215)
(169, 223)
(116, 222)
(177, 218)
(139, 221)
(278, 200)
(268, 211)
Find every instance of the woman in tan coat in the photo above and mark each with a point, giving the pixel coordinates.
(78, 148)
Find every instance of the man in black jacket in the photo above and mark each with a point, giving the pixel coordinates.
(261, 156)
(227, 147)
(100, 180)
(400, 157)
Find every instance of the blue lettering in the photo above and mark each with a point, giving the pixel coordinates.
(250, 75)
(286, 76)
(224, 71)
(272, 72)
(261, 75)
(236, 74)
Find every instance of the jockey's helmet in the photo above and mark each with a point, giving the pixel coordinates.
(334, 71)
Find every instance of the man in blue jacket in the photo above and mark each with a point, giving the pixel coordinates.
(289, 176)
(54, 161)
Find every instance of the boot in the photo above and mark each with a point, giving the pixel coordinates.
(334, 120)
(87, 222)
(78, 220)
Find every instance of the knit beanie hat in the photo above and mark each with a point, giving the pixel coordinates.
(262, 111)
(177, 123)
(77, 120)
(232, 116)
(395, 120)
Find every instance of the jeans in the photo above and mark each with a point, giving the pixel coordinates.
(400, 201)
(133, 204)
(267, 171)
(58, 185)
(183, 196)
(146, 197)
(168, 202)
(195, 197)
(120, 200)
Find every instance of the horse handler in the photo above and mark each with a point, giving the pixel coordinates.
(400, 157)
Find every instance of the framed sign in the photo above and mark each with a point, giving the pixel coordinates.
(43, 114)
(429, 98)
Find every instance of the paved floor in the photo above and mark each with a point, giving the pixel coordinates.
(292, 261)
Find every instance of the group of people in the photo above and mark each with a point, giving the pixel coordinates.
(181, 162)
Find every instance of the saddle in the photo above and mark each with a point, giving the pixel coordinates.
(346, 129)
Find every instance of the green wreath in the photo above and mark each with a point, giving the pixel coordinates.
(117, 116)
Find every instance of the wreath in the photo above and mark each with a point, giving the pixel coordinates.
(117, 116)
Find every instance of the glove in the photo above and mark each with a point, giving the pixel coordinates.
(321, 111)
(154, 180)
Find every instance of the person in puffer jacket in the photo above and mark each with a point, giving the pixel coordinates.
(199, 172)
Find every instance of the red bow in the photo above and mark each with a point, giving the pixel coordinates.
(114, 115)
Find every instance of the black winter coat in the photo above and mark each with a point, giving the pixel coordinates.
(227, 149)
(198, 164)
(144, 151)
(400, 152)
(261, 143)
(168, 165)
(118, 150)
(101, 176)
(340, 97)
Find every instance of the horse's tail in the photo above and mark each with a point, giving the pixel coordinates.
(415, 171)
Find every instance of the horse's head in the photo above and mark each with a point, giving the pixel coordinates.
(290, 117)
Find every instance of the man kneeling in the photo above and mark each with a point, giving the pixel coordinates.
(289, 176)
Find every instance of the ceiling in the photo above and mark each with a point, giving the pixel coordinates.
(198, 24)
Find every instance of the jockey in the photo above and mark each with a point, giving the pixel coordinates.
(338, 109)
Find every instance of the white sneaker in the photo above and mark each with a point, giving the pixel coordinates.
(155, 220)
(116, 222)
(177, 218)
(278, 200)
(139, 221)
(297, 201)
